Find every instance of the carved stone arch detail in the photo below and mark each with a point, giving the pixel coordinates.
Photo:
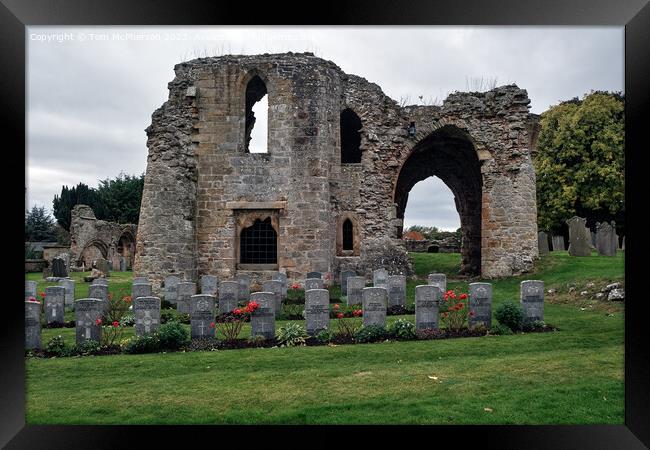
(356, 234)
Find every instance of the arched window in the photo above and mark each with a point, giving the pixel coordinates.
(348, 235)
(259, 243)
(255, 97)
(350, 137)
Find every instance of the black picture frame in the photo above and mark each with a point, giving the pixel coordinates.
(15, 15)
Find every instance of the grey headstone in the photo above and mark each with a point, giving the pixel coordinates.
(59, 268)
(103, 266)
(542, 243)
(147, 314)
(314, 275)
(317, 310)
(579, 238)
(282, 278)
(69, 292)
(102, 281)
(202, 316)
(209, 285)
(140, 280)
(355, 288)
(263, 319)
(480, 303)
(532, 299)
(54, 304)
(623, 244)
(140, 290)
(122, 264)
(396, 290)
(593, 237)
(275, 287)
(87, 311)
(244, 291)
(313, 283)
(380, 278)
(171, 288)
(185, 291)
(606, 240)
(558, 243)
(32, 325)
(427, 304)
(344, 280)
(30, 290)
(228, 296)
(375, 301)
(99, 291)
(438, 279)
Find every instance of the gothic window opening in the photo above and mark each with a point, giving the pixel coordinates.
(350, 137)
(257, 117)
(259, 243)
(348, 235)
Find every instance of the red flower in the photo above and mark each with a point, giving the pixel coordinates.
(116, 324)
(462, 296)
(110, 296)
(444, 314)
(357, 313)
(460, 305)
(98, 322)
(295, 286)
(340, 315)
(336, 306)
(127, 299)
(211, 324)
(236, 311)
(471, 313)
(42, 294)
(253, 305)
(248, 309)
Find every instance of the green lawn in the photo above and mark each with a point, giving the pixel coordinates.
(572, 376)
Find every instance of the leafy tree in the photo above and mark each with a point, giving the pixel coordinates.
(120, 198)
(39, 226)
(63, 204)
(580, 161)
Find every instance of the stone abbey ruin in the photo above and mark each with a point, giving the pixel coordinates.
(330, 193)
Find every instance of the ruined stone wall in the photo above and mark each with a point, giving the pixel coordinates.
(202, 186)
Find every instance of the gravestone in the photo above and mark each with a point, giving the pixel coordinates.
(427, 304)
(54, 304)
(579, 238)
(317, 310)
(355, 288)
(244, 290)
(438, 279)
(87, 312)
(558, 243)
(140, 280)
(102, 266)
(396, 290)
(263, 318)
(140, 290)
(102, 281)
(147, 315)
(30, 289)
(228, 296)
(99, 291)
(171, 288)
(59, 269)
(606, 240)
(313, 283)
(209, 285)
(202, 316)
(532, 299)
(32, 325)
(69, 293)
(122, 264)
(542, 243)
(185, 290)
(275, 287)
(344, 280)
(282, 278)
(380, 278)
(374, 306)
(592, 243)
(314, 275)
(623, 244)
(480, 302)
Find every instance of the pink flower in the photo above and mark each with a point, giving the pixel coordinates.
(98, 322)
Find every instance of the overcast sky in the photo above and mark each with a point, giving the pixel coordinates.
(91, 90)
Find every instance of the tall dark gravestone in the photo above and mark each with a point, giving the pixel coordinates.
(532, 299)
(87, 313)
(263, 319)
(54, 304)
(202, 316)
(147, 315)
(480, 304)
(32, 325)
(427, 304)
(228, 296)
(317, 310)
(375, 302)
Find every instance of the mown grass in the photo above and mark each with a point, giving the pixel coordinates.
(571, 376)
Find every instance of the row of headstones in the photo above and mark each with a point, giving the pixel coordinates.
(582, 240)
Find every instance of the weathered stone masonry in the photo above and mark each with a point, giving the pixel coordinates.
(202, 187)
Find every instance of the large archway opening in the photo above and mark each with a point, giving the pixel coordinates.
(448, 153)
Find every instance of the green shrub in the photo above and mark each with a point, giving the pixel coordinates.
(183, 318)
(292, 312)
(511, 315)
(128, 320)
(203, 344)
(56, 346)
(172, 335)
(500, 330)
(167, 315)
(291, 335)
(324, 336)
(86, 348)
(530, 324)
(371, 333)
(402, 330)
(147, 343)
